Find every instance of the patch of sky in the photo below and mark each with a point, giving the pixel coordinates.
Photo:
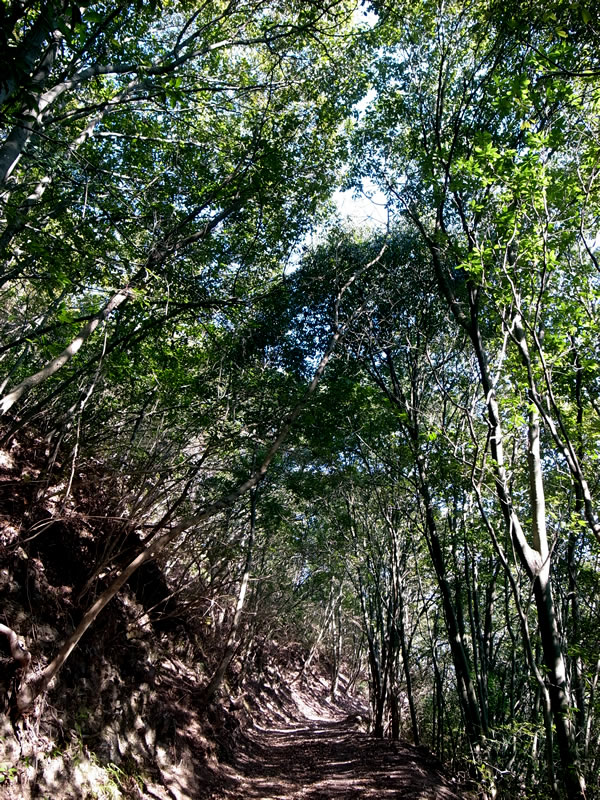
(593, 242)
(365, 207)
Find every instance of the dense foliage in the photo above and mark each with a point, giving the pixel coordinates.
(382, 445)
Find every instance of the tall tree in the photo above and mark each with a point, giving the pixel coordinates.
(159, 165)
(481, 143)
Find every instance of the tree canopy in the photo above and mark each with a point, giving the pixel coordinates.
(387, 441)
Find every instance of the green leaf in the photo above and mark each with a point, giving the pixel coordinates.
(64, 29)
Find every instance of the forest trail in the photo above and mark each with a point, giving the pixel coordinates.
(330, 758)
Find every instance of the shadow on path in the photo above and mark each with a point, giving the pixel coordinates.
(332, 760)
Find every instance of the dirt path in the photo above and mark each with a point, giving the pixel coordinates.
(325, 759)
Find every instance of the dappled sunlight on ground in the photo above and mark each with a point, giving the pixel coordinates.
(331, 759)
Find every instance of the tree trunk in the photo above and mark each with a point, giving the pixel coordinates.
(233, 639)
(394, 715)
(407, 674)
(536, 561)
(67, 354)
(467, 691)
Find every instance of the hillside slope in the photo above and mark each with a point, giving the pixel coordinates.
(126, 717)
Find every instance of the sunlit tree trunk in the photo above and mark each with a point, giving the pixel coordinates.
(535, 560)
(11, 397)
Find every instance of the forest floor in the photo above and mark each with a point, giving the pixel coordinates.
(327, 755)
